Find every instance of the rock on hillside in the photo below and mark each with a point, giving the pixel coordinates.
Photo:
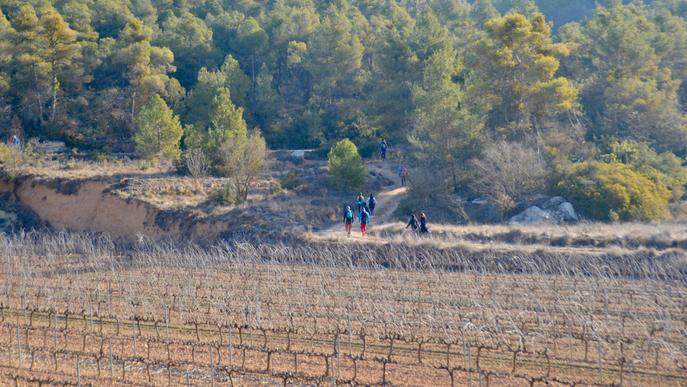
(554, 210)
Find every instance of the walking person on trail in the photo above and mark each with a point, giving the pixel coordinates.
(348, 220)
(412, 222)
(404, 175)
(14, 141)
(360, 202)
(364, 220)
(371, 204)
(423, 224)
(382, 149)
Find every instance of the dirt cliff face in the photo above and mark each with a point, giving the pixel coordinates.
(88, 205)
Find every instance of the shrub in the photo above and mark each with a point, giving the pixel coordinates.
(662, 168)
(291, 180)
(508, 173)
(242, 160)
(614, 191)
(196, 162)
(10, 157)
(226, 196)
(346, 169)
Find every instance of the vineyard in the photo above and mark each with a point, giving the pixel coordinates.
(83, 310)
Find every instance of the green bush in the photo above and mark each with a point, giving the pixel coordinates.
(291, 180)
(11, 158)
(227, 195)
(346, 169)
(614, 191)
(663, 168)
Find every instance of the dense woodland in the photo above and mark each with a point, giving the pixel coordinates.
(594, 89)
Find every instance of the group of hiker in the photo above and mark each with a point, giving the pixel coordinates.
(366, 209)
(414, 224)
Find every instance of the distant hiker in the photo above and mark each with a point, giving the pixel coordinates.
(423, 224)
(14, 141)
(348, 219)
(412, 222)
(372, 203)
(382, 149)
(360, 202)
(364, 220)
(404, 175)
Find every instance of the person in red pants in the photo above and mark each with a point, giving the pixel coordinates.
(364, 220)
(348, 220)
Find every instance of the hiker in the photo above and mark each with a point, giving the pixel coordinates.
(371, 204)
(364, 220)
(412, 222)
(404, 175)
(360, 202)
(14, 141)
(382, 149)
(423, 224)
(348, 219)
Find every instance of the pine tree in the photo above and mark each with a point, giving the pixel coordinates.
(482, 11)
(60, 53)
(514, 70)
(627, 75)
(446, 132)
(158, 130)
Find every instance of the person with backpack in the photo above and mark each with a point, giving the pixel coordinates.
(382, 149)
(371, 204)
(348, 220)
(423, 224)
(364, 220)
(412, 222)
(360, 202)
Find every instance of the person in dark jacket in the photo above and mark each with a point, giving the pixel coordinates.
(412, 222)
(348, 219)
(382, 149)
(371, 204)
(364, 220)
(423, 224)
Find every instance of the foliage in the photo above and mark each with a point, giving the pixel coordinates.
(446, 132)
(630, 68)
(196, 162)
(508, 173)
(158, 131)
(439, 78)
(663, 168)
(10, 157)
(225, 195)
(225, 123)
(346, 169)
(242, 160)
(614, 191)
(513, 69)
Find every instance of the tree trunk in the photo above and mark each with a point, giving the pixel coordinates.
(54, 97)
(39, 101)
(133, 108)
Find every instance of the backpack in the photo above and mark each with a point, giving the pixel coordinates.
(364, 217)
(373, 202)
(349, 215)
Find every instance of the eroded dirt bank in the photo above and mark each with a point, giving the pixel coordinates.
(89, 205)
